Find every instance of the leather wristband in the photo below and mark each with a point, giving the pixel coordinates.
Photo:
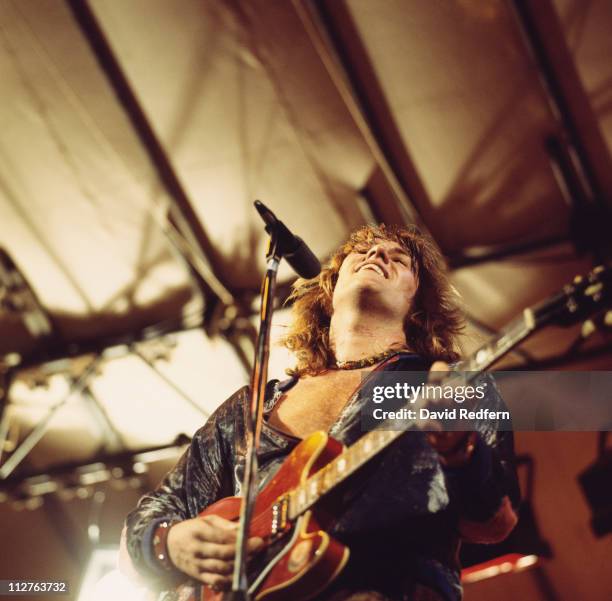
(160, 544)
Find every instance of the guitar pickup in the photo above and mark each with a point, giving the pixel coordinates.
(280, 513)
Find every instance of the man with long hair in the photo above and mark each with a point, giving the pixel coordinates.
(383, 303)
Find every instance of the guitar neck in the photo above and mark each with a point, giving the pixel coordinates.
(514, 333)
(368, 446)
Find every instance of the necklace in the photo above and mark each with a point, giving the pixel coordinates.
(366, 361)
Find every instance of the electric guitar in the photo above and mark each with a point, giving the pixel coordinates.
(293, 510)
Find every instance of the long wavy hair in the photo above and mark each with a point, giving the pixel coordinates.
(432, 325)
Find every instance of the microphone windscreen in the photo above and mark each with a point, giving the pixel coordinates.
(303, 260)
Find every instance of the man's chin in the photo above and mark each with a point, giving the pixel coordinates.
(366, 287)
(369, 297)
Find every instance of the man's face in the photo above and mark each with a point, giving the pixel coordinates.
(377, 276)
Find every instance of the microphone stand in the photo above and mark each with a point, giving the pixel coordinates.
(259, 378)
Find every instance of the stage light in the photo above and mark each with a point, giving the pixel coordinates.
(104, 582)
(513, 562)
(101, 561)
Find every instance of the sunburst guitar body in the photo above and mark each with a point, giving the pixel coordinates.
(301, 558)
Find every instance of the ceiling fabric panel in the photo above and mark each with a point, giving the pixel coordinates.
(76, 192)
(468, 104)
(244, 110)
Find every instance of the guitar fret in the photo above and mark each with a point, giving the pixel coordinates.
(313, 487)
(324, 479)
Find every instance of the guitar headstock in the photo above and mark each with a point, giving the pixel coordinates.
(585, 296)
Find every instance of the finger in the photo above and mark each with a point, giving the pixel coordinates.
(215, 520)
(255, 544)
(217, 551)
(216, 581)
(438, 371)
(216, 566)
(440, 366)
(212, 531)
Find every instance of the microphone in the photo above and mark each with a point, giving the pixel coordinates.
(292, 248)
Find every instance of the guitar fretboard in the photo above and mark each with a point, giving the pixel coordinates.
(355, 456)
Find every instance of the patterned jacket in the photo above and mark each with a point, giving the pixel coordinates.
(403, 515)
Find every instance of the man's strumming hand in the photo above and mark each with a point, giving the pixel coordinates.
(204, 549)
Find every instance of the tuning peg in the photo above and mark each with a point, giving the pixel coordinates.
(588, 327)
(595, 291)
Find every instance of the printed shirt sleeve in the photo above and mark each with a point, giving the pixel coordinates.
(202, 476)
(486, 491)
